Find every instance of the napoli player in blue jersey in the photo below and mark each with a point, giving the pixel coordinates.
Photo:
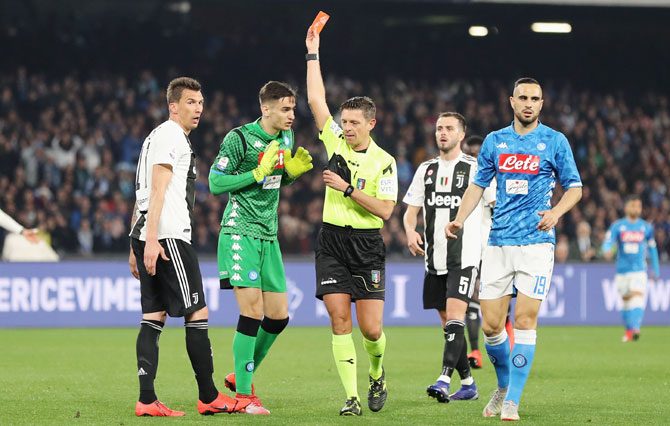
(526, 158)
(633, 238)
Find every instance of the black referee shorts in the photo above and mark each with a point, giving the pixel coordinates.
(177, 286)
(458, 284)
(350, 261)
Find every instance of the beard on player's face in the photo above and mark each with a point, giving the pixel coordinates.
(526, 120)
(448, 147)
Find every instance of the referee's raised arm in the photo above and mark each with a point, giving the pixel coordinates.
(316, 92)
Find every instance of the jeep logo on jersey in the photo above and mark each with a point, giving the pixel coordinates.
(445, 200)
(519, 163)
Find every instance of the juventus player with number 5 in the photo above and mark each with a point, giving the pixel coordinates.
(451, 266)
(525, 158)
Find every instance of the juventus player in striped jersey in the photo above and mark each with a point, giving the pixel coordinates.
(168, 270)
(451, 269)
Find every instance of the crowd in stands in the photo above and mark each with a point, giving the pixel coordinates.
(69, 146)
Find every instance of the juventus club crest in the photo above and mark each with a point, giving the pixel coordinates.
(460, 180)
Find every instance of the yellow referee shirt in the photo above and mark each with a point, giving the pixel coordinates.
(374, 172)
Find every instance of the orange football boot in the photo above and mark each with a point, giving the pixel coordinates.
(156, 409)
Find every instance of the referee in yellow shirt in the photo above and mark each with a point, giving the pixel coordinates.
(362, 188)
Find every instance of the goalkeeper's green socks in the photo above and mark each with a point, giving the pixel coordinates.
(344, 352)
(375, 352)
(244, 343)
(270, 329)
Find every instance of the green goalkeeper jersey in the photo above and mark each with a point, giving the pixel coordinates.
(252, 206)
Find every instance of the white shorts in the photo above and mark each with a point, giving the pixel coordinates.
(526, 269)
(630, 282)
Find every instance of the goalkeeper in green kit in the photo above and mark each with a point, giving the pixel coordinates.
(253, 163)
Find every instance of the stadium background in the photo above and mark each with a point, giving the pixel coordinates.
(82, 84)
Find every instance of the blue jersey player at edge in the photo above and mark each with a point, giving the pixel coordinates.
(526, 158)
(633, 238)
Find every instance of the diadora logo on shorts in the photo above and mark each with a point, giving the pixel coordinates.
(330, 280)
(519, 163)
(445, 200)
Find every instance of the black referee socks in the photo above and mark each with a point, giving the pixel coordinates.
(147, 358)
(200, 352)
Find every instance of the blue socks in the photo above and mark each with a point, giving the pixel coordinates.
(632, 312)
(636, 318)
(626, 315)
(522, 359)
(497, 348)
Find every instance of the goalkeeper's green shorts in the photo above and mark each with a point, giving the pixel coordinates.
(250, 262)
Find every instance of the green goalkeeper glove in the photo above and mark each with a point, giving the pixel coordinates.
(268, 162)
(299, 164)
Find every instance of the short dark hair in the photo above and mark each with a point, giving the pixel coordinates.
(457, 116)
(177, 86)
(474, 140)
(632, 197)
(363, 103)
(274, 91)
(525, 80)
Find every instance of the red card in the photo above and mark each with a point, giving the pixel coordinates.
(319, 22)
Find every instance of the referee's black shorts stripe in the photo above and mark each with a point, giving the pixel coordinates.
(179, 269)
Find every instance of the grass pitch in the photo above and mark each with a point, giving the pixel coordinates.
(581, 375)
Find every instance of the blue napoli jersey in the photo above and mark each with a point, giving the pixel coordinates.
(633, 240)
(526, 168)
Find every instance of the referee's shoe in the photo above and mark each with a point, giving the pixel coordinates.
(377, 392)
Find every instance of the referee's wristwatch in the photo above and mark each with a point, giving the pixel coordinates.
(312, 57)
(348, 191)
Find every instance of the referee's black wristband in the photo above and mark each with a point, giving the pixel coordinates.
(312, 57)
(348, 191)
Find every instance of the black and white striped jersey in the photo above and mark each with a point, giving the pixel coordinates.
(167, 144)
(438, 186)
